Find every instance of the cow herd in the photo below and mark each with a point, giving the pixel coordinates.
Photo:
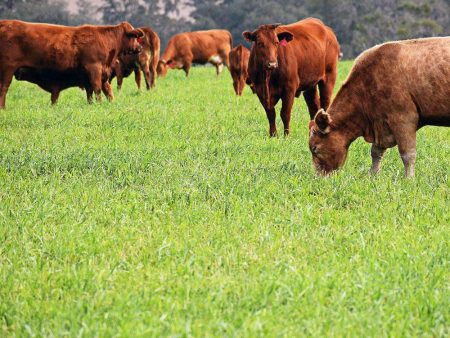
(392, 90)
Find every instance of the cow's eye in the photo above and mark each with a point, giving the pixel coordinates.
(314, 150)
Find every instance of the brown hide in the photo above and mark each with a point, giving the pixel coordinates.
(200, 47)
(239, 57)
(146, 61)
(286, 60)
(86, 49)
(392, 90)
(56, 81)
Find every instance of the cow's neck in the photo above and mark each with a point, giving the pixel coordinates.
(348, 117)
(169, 53)
(114, 44)
(261, 81)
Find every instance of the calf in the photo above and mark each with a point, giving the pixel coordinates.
(201, 47)
(54, 81)
(239, 57)
(287, 60)
(392, 90)
(146, 61)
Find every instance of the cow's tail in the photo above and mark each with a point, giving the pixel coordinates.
(231, 40)
(156, 53)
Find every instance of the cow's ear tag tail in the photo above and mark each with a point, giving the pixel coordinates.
(283, 43)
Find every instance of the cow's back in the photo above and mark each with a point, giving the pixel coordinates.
(406, 75)
(32, 44)
(426, 66)
(205, 44)
(314, 47)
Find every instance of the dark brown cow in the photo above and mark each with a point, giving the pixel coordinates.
(239, 57)
(392, 90)
(288, 60)
(201, 47)
(55, 81)
(146, 61)
(87, 49)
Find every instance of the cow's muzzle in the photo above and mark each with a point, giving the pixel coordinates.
(272, 65)
(136, 50)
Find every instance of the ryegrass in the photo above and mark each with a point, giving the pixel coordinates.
(171, 213)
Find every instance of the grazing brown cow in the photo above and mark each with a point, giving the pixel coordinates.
(55, 81)
(239, 67)
(201, 47)
(86, 49)
(146, 61)
(392, 90)
(287, 60)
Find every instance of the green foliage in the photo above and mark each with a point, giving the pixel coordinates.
(51, 11)
(145, 13)
(171, 213)
(357, 24)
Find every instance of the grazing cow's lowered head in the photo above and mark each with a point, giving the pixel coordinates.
(327, 146)
(265, 44)
(161, 69)
(131, 39)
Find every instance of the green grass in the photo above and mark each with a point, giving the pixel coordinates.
(171, 213)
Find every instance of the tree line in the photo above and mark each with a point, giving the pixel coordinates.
(358, 24)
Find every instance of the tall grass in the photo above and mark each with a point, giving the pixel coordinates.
(171, 213)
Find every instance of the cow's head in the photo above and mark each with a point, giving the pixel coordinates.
(130, 43)
(162, 67)
(266, 41)
(327, 146)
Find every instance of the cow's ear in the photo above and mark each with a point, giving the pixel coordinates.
(249, 36)
(135, 33)
(323, 121)
(285, 36)
(311, 124)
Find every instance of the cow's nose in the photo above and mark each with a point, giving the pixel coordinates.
(272, 65)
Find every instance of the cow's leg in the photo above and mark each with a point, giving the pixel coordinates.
(137, 77)
(377, 153)
(326, 90)
(286, 109)
(186, 67)
(5, 82)
(406, 140)
(55, 95)
(119, 80)
(270, 112)
(119, 74)
(107, 91)
(236, 87)
(225, 59)
(152, 73)
(241, 85)
(95, 76)
(146, 71)
(219, 68)
(312, 101)
(89, 93)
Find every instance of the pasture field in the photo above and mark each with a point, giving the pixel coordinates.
(172, 213)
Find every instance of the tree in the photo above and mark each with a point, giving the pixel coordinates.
(51, 11)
